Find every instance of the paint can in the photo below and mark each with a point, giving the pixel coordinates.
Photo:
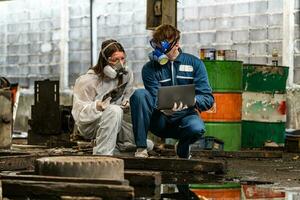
(208, 54)
(230, 54)
(220, 55)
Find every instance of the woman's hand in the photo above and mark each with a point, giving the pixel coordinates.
(102, 105)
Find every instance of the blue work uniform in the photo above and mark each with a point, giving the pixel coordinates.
(185, 125)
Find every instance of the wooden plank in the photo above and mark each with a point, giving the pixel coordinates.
(189, 178)
(175, 164)
(47, 189)
(237, 154)
(143, 178)
(34, 177)
(227, 154)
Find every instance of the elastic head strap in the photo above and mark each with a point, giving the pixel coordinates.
(102, 51)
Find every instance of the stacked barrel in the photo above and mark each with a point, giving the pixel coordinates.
(223, 121)
(264, 105)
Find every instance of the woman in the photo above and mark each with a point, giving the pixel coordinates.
(100, 96)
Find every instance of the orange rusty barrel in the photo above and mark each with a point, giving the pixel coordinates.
(227, 108)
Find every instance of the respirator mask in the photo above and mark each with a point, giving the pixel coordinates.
(160, 50)
(116, 70)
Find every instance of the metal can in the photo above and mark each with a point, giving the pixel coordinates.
(230, 55)
(220, 55)
(208, 54)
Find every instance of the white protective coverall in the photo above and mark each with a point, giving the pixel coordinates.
(108, 127)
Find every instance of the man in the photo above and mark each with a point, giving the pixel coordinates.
(168, 66)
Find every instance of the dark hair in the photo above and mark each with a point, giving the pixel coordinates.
(166, 32)
(108, 47)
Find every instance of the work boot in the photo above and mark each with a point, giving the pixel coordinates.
(141, 153)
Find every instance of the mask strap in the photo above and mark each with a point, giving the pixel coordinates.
(102, 51)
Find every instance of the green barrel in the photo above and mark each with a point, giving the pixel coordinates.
(229, 132)
(224, 76)
(255, 134)
(264, 78)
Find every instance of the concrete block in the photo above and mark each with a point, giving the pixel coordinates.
(190, 38)
(56, 23)
(223, 23)
(180, 14)
(74, 34)
(34, 14)
(259, 20)
(240, 8)
(55, 69)
(258, 7)
(45, 59)
(297, 17)
(126, 19)
(45, 25)
(297, 76)
(139, 28)
(127, 42)
(126, 30)
(140, 41)
(275, 6)
(223, 10)
(34, 59)
(24, 70)
(12, 38)
(56, 34)
(3, 28)
(240, 36)
(139, 17)
(207, 24)
(22, 27)
(241, 22)
(75, 22)
(46, 36)
(297, 4)
(190, 13)
(85, 57)
(75, 11)
(140, 54)
(207, 38)
(11, 70)
(112, 20)
(206, 11)
(297, 46)
(85, 32)
(44, 70)
(55, 47)
(275, 34)
(191, 49)
(34, 37)
(258, 34)
(258, 49)
(34, 48)
(258, 60)
(137, 78)
(297, 32)
(224, 36)
(191, 25)
(126, 6)
(75, 56)
(2, 49)
(275, 19)
(23, 38)
(242, 49)
(74, 67)
(46, 47)
(274, 45)
(243, 59)
(85, 21)
(297, 61)
(2, 61)
(23, 59)
(12, 59)
(85, 45)
(23, 49)
(55, 58)
(12, 49)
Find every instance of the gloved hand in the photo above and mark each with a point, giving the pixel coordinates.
(102, 105)
(125, 104)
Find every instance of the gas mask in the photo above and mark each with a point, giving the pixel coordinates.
(160, 50)
(115, 71)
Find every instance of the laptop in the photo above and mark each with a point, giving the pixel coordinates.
(167, 95)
